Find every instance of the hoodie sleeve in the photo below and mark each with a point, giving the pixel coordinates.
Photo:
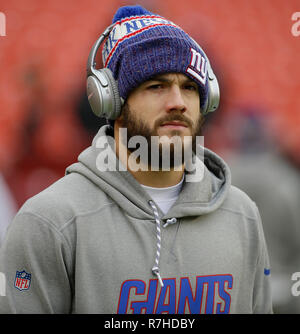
(35, 260)
(262, 299)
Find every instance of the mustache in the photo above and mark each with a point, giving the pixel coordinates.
(173, 117)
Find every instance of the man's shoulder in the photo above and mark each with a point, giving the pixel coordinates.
(239, 202)
(65, 199)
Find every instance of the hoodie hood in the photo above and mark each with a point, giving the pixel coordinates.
(196, 198)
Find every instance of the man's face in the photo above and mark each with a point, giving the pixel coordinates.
(167, 105)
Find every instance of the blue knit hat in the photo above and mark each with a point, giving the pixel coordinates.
(142, 45)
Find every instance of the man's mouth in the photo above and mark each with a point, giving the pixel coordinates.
(174, 124)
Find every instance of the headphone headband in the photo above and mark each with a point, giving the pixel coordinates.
(92, 56)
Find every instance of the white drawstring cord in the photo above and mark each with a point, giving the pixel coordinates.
(170, 221)
(155, 268)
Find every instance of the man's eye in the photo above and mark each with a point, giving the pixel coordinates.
(191, 87)
(155, 86)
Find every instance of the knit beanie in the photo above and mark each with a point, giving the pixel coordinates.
(142, 45)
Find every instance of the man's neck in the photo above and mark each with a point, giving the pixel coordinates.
(158, 179)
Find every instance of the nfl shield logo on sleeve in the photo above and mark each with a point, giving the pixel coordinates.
(22, 280)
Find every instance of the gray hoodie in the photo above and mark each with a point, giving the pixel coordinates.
(87, 244)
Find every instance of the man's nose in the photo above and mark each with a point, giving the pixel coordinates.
(175, 100)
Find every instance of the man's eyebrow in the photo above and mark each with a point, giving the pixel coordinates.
(159, 78)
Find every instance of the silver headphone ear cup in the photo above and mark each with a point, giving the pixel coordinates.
(94, 94)
(115, 96)
(103, 94)
(214, 95)
(213, 98)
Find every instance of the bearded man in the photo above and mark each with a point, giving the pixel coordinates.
(149, 239)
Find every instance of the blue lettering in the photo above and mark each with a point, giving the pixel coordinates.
(111, 38)
(186, 296)
(205, 294)
(209, 294)
(131, 27)
(138, 285)
(147, 305)
(147, 22)
(168, 290)
(209, 281)
(144, 23)
(224, 294)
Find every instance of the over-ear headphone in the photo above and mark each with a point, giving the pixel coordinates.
(103, 93)
(102, 88)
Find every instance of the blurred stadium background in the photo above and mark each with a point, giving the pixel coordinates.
(45, 121)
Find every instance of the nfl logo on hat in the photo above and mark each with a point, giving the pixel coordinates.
(22, 280)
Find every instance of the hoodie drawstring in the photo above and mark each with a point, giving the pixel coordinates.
(155, 268)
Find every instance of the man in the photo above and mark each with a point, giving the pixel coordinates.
(148, 239)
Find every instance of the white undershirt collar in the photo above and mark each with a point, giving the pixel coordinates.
(164, 197)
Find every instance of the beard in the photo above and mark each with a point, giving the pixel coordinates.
(137, 127)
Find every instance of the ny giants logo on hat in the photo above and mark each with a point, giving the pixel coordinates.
(130, 27)
(198, 66)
